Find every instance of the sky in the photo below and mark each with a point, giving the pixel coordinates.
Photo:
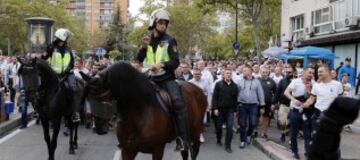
(135, 5)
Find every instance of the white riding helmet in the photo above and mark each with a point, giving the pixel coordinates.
(159, 14)
(62, 34)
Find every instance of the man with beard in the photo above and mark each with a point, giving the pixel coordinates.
(284, 102)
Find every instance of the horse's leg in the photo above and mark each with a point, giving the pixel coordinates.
(185, 154)
(45, 126)
(128, 155)
(56, 127)
(158, 153)
(76, 125)
(71, 142)
(196, 149)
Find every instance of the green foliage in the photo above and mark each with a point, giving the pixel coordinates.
(189, 24)
(261, 20)
(13, 26)
(114, 53)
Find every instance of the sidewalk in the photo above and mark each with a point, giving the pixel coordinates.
(350, 148)
(14, 121)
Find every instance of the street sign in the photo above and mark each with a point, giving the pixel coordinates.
(236, 45)
(236, 51)
(100, 51)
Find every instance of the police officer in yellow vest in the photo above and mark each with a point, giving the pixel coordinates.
(61, 60)
(159, 57)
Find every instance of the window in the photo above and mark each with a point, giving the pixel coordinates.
(297, 27)
(343, 9)
(321, 20)
(355, 7)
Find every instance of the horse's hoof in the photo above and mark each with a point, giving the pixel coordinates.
(71, 151)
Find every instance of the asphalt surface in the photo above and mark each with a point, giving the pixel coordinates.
(28, 144)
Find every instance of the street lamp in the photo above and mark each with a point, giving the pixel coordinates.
(39, 33)
(236, 44)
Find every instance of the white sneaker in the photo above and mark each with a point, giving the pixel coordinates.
(202, 138)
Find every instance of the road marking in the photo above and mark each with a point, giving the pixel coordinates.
(117, 155)
(14, 133)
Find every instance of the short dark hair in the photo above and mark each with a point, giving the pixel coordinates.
(248, 66)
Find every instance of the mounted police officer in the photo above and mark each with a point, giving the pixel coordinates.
(61, 60)
(160, 58)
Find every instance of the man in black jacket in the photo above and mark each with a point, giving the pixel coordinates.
(269, 87)
(224, 104)
(284, 102)
(185, 72)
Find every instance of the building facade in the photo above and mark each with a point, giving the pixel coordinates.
(97, 14)
(331, 24)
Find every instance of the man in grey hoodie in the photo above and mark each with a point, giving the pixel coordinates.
(250, 97)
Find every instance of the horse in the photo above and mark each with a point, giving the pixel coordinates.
(47, 93)
(143, 125)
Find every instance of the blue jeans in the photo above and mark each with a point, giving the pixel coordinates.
(247, 113)
(225, 116)
(296, 123)
(24, 105)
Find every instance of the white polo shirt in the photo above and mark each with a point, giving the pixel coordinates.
(326, 93)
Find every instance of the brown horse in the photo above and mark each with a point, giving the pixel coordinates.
(144, 126)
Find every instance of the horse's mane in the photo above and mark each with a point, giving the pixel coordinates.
(49, 75)
(130, 87)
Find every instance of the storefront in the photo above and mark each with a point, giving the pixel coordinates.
(342, 44)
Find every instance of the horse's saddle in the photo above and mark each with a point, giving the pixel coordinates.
(163, 98)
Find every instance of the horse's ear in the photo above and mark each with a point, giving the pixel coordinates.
(20, 59)
(85, 77)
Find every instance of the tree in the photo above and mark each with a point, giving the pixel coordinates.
(188, 24)
(13, 26)
(254, 12)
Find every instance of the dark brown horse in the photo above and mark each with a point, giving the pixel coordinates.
(144, 126)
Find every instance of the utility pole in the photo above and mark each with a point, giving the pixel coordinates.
(236, 44)
(236, 20)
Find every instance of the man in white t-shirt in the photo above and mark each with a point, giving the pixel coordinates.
(298, 91)
(324, 92)
(203, 84)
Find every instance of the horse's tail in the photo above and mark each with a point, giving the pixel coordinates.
(196, 103)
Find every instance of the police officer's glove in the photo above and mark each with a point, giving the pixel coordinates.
(343, 111)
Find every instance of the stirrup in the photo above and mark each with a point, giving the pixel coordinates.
(180, 145)
(75, 118)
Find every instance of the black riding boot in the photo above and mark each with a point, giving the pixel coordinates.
(181, 121)
(182, 141)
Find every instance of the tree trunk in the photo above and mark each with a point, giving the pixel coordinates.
(256, 39)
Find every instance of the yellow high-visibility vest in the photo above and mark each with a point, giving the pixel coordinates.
(58, 62)
(160, 56)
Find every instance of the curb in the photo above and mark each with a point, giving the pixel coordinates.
(10, 125)
(272, 149)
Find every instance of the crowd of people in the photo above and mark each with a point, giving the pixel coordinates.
(252, 94)
(245, 92)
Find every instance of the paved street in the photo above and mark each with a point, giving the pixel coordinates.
(29, 145)
(349, 141)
